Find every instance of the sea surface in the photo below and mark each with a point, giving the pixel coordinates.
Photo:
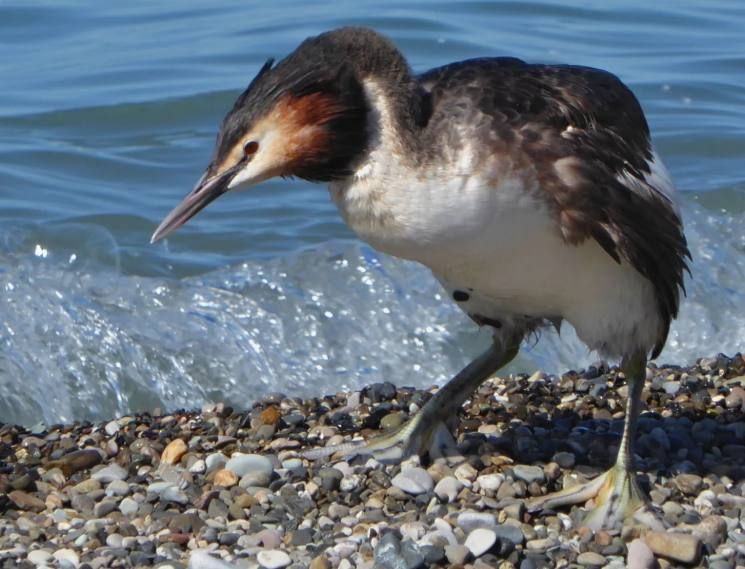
(108, 113)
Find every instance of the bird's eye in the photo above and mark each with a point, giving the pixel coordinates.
(250, 148)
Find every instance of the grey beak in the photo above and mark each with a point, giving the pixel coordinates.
(207, 189)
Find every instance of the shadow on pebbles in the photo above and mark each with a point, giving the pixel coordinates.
(220, 489)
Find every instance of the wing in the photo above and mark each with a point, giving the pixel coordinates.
(583, 134)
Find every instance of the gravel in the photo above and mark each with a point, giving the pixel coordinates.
(219, 488)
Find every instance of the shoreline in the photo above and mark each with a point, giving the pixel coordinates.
(145, 490)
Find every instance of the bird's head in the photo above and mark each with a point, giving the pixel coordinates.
(305, 117)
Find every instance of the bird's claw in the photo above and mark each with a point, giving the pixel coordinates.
(617, 500)
(420, 435)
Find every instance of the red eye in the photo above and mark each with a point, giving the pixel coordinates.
(250, 148)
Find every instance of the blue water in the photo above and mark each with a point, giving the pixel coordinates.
(108, 114)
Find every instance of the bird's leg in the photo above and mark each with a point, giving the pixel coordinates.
(427, 431)
(616, 494)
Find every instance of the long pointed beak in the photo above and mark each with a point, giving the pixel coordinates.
(207, 189)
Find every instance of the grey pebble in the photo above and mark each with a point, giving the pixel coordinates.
(109, 473)
(243, 464)
(117, 488)
(528, 473)
(128, 507)
(457, 554)
(469, 521)
(564, 459)
(510, 533)
(104, 508)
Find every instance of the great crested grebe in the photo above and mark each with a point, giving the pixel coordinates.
(532, 192)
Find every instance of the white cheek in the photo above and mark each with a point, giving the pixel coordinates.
(248, 176)
(261, 166)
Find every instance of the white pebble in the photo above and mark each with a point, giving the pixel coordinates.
(413, 480)
(490, 481)
(480, 540)
(67, 558)
(242, 464)
(203, 560)
(273, 559)
(111, 428)
(447, 488)
(39, 556)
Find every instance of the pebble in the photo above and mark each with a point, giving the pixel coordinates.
(109, 473)
(447, 488)
(469, 521)
(490, 482)
(510, 533)
(242, 464)
(214, 461)
(413, 480)
(672, 545)
(273, 559)
(564, 459)
(225, 477)
(173, 452)
(76, 461)
(639, 556)
(480, 540)
(66, 558)
(117, 488)
(456, 554)
(26, 501)
(128, 507)
(335, 514)
(689, 484)
(591, 559)
(39, 556)
(528, 473)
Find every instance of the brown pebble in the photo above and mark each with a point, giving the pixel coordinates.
(245, 501)
(225, 478)
(180, 538)
(320, 562)
(603, 538)
(681, 547)
(76, 461)
(173, 452)
(270, 415)
(26, 501)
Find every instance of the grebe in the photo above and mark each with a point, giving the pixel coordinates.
(532, 192)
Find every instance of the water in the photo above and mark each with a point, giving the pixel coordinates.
(108, 115)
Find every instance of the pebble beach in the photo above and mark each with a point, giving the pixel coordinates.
(222, 487)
